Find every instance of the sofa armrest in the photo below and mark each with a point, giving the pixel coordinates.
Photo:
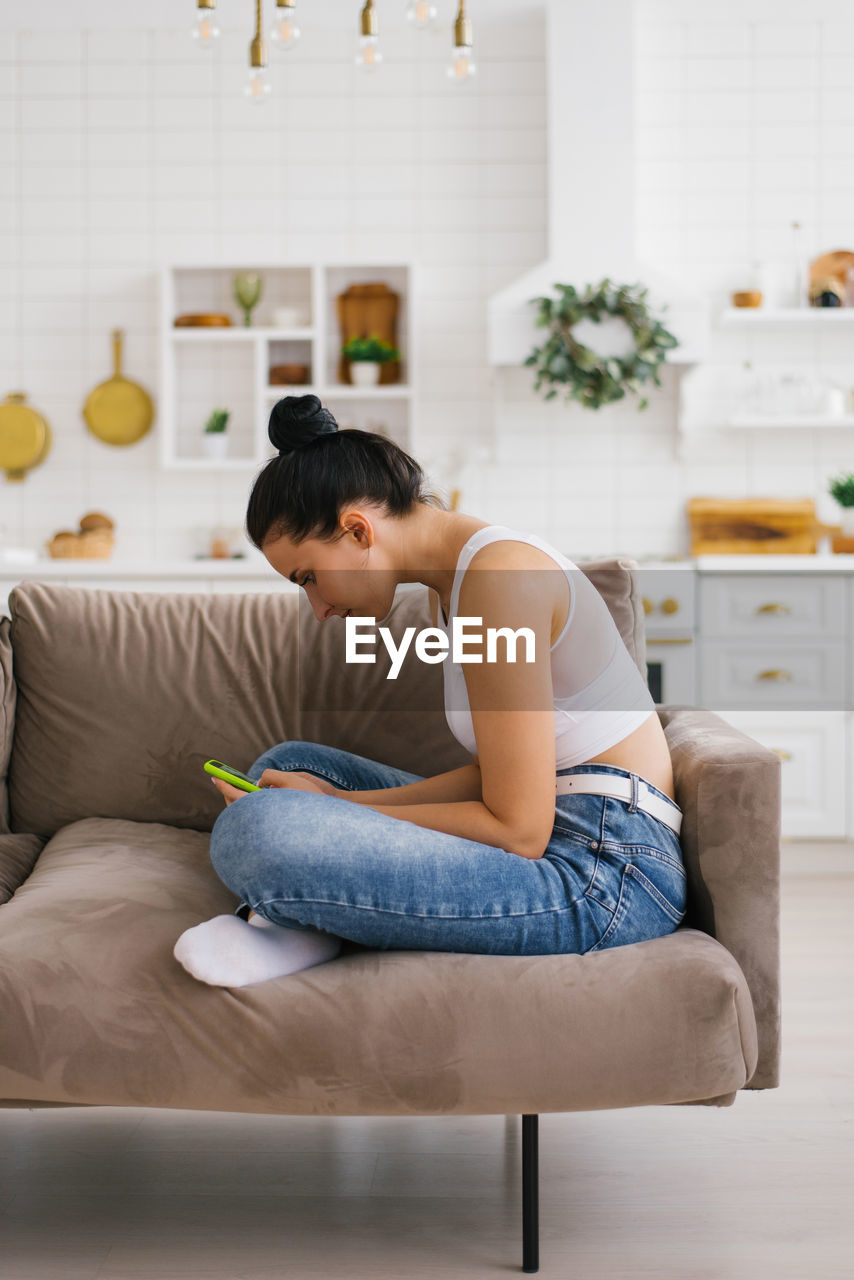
(18, 853)
(729, 789)
(7, 718)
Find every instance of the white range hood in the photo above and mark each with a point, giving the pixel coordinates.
(590, 70)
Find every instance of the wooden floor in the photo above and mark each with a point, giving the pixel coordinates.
(764, 1188)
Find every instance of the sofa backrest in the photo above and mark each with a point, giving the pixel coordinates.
(121, 695)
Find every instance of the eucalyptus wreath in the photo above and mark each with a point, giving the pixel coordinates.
(589, 378)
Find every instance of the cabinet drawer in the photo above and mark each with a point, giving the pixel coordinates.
(669, 599)
(811, 676)
(812, 748)
(769, 605)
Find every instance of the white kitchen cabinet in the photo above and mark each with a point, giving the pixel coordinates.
(813, 749)
(776, 661)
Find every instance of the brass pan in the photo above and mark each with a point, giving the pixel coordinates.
(118, 411)
(25, 437)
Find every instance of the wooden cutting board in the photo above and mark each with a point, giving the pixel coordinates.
(755, 526)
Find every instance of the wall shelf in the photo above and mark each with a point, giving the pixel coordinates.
(740, 420)
(732, 317)
(228, 367)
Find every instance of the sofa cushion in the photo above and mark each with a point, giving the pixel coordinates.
(123, 695)
(96, 1010)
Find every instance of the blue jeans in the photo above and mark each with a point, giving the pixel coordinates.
(610, 875)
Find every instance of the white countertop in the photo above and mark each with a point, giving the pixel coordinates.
(258, 567)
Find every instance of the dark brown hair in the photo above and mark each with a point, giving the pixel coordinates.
(321, 469)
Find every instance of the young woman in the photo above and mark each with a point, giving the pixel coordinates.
(562, 835)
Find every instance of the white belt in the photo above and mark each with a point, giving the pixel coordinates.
(602, 784)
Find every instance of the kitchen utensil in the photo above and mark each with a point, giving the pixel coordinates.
(833, 266)
(202, 320)
(826, 291)
(118, 411)
(755, 526)
(25, 437)
(365, 309)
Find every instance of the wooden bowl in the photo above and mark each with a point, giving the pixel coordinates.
(747, 298)
(288, 375)
(203, 320)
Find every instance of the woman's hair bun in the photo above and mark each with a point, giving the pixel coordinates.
(297, 420)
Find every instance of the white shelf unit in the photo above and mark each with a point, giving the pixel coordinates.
(701, 410)
(204, 368)
(748, 316)
(741, 420)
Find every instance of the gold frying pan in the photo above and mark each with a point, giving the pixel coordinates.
(25, 437)
(118, 411)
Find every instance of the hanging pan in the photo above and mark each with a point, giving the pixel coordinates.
(118, 411)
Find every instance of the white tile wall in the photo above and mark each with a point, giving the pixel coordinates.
(120, 154)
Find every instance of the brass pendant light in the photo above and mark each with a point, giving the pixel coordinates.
(205, 30)
(284, 33)
(461, 67)
(370, 55)
(257, 87)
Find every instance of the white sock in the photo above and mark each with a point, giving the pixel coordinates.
(229, 952)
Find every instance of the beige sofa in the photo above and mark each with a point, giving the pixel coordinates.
(110, 702)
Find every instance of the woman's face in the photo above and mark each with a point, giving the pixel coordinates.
(349, 575)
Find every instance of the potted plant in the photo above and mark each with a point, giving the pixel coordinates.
(842, 489)
(215, 439)
(365, 356)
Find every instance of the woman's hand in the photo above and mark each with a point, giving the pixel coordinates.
(297, 781)
(294, 780)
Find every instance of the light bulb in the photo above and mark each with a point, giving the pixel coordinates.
(370, 55)
(257, 87)
(421, 13)
(284, 33)
(461, 67)
(205, 30)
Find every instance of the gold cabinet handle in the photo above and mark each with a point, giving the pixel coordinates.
(773, 608)
(783, 754)
(774, 674)
(669, 640)
(648, 606)
(670, 605)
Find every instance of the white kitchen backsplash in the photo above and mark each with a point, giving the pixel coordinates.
(121, 153)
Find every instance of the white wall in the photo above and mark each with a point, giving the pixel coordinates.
(120, 154)
(122, 151)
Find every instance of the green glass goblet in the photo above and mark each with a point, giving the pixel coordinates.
(247, 291)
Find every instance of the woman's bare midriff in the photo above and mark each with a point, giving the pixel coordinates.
(644, 752)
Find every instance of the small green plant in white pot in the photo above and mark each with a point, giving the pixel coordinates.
(365, 356)
(842, 489)
(215, 437)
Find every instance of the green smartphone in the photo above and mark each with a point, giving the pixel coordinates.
(224, 771)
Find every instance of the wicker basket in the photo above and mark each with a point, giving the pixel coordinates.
(93, 544)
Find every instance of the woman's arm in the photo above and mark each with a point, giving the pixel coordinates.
(458, 784)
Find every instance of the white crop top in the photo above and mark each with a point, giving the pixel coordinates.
(600, 696)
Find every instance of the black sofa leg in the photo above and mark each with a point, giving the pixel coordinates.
(530, 1195)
